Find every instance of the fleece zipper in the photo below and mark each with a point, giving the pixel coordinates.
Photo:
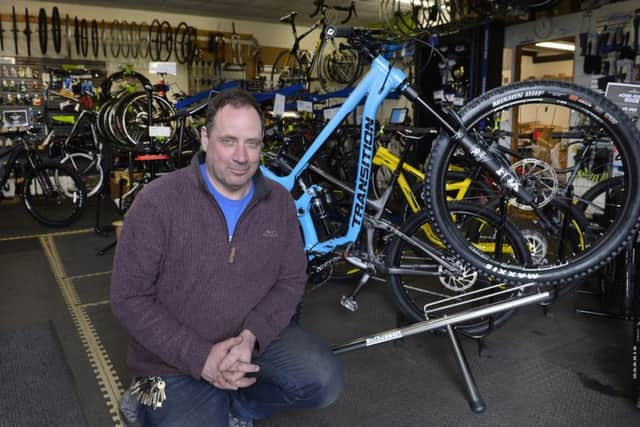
(232, 249)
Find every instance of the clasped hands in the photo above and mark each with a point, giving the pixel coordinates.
(229, 362)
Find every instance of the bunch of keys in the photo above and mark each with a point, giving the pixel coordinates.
(149, 391)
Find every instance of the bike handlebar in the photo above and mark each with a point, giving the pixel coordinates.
(321, 5)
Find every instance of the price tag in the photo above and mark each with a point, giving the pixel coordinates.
(162, 68)
(160, 131)
(304, 106)
(278, 105)
(328, 113)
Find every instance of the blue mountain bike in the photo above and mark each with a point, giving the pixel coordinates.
(524, 194)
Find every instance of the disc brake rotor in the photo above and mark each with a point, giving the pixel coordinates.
(465, 280)
(539, 178)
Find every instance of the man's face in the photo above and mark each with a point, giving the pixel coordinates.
(233, 150)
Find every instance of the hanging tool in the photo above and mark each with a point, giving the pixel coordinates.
(256, 53)
(625, 60)
(14, 30)
(27, 30)
(220, 55)
(235, 46)
(592, 63)
(584, 39)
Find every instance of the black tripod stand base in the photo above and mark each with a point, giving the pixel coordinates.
(107, 248)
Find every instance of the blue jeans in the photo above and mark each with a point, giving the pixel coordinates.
(297, 370)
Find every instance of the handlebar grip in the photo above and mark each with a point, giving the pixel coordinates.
(333, 31)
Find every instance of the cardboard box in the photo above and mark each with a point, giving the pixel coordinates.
(117, 176)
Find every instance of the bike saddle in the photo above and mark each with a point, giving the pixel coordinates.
(289, 18)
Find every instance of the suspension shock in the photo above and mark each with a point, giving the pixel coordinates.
(319, 210)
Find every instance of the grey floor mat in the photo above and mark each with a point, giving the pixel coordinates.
(36, 387)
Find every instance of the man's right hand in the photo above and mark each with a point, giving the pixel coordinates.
(211, 371)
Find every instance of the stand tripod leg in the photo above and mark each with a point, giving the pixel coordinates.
(107, 248)
(475, 401)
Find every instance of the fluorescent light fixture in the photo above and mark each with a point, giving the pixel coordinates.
(558, 45)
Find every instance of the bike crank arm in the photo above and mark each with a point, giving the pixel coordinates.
(432, 324)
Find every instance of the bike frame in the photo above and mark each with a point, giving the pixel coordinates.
(13, 154)
(373, 89)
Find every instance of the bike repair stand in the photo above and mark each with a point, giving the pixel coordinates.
(148, 89)
(475, 400)
(103, 194)
(626, 267)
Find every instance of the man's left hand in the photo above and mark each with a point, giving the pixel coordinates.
(232, 366)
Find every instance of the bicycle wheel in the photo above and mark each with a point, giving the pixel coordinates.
(132, 112)
(143, 37)
(134, 37)
(155, 44)
(53, 194)
(67, 35)
(95, 42)
(423, 291)
(43, 30)
(125, 39)
(115, 40)
(55, 29)
(88, 168)
(287, 70)
(84, 38)
(524, 110)
(338, 66)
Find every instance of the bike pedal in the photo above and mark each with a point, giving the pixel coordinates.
(349, 303)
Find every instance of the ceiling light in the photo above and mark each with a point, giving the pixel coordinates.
(557, 45)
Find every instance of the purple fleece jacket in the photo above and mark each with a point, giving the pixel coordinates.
(178, 285)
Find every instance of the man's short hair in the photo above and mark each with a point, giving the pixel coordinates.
(235, 97)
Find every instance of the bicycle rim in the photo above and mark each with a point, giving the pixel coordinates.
(133, 116)
(54, 195)
(88, 169)
(338, 66)
(538, 119)
(286, 70)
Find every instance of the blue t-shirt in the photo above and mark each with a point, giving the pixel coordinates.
(231, 209)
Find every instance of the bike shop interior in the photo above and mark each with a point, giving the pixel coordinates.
(99, 98)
